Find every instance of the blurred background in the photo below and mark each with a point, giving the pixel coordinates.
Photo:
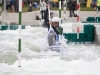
(11, 5)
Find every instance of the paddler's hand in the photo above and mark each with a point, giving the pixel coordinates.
(50, 23)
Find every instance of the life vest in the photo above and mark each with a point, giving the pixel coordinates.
(60, 30)
(57, 31)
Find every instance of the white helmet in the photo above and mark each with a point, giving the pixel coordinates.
(55, 19)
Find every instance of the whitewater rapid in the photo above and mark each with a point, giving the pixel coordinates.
(81, 59)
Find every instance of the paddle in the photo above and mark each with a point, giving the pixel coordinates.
(49, 16)
(51, 36)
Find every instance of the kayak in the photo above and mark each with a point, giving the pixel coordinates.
(57, 48)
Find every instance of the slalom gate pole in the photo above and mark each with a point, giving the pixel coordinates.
(43, 8)
(78, 17)
(96, 13)
(59, 12)
(60, 36)
(0, 12)
(19, 41)
(30, 6)
(98, 6)
(40, 12)
(49, 15)
(64, 9)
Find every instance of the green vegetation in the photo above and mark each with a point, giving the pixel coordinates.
(83, 8)
(25, 9)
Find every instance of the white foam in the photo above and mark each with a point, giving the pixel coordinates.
(82, 59)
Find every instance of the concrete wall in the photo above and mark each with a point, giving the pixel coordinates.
(30, 17)
(27, 18)
(97, 34)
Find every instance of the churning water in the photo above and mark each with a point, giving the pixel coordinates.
(81, 59)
